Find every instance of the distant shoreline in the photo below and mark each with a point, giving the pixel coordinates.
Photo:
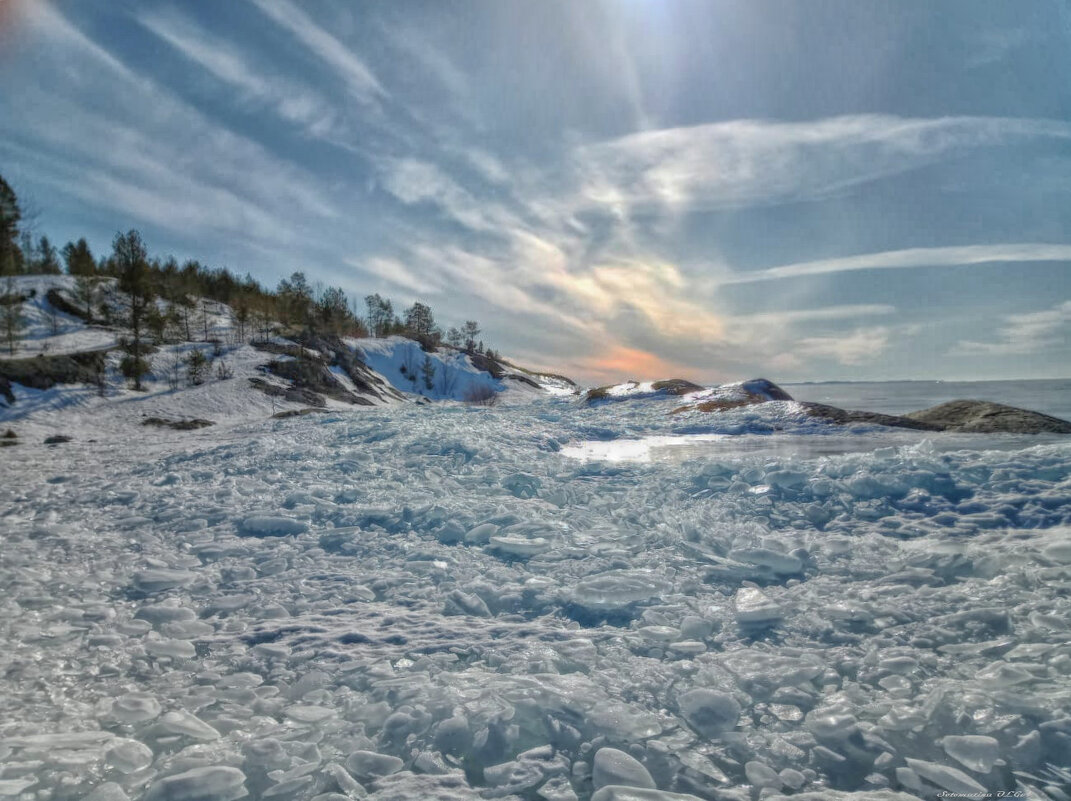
(923, 381)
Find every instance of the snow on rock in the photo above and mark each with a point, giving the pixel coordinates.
(455, 375)
(640, 390)
(612, 766)
(733, 396)
(216, 783)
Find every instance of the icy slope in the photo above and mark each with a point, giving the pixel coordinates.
(436, 602)
(83, 412)
(48, 330)
(454, 375)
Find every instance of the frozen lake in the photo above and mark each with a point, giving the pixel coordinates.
(447, 603)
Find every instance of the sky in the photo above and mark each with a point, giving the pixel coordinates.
(715, 190)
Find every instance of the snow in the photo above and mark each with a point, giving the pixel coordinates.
(49, 331)
(444, 601)
(400, 361)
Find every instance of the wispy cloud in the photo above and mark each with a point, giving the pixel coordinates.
(297, 104)
(134, 156)
(416, 46)
(858, 347)
(332, 52)
(398, 274)
(414, 181)
(824, 313)
(618, 361)
(1025, 334)
(656, 291)
(606, 249)
(912, 258)
(754, 162)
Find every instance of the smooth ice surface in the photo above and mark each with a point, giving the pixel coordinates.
(443, 602)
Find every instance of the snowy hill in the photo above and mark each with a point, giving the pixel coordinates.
(453, 374)
(64, 375)
(48, 330)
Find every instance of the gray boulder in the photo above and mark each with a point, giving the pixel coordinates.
(985, 417)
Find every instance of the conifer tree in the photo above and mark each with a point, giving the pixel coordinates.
(132, 263)
(80, 263)
(47, 258)
(10, 216)
(11, 318)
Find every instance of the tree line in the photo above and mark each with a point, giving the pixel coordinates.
(158, 300)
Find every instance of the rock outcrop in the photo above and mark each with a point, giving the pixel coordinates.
(734, 396)
(850, 417)
(45, 372)
(985, 417)
(965, 416)
(640, 390)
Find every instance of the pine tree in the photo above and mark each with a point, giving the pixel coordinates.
(80, 264)
(11, 318)
(47, 258)
(132, 262)
(241, 315)
(469, 332)
(10, 216)
(380, 315)
(78, 258)
(333, 311)
(295, 299)
(156, 323)
(420, 325)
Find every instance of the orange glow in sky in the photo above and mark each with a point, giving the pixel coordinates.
(620, 363)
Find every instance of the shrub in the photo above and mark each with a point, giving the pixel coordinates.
(134, 367)
(196, 366)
